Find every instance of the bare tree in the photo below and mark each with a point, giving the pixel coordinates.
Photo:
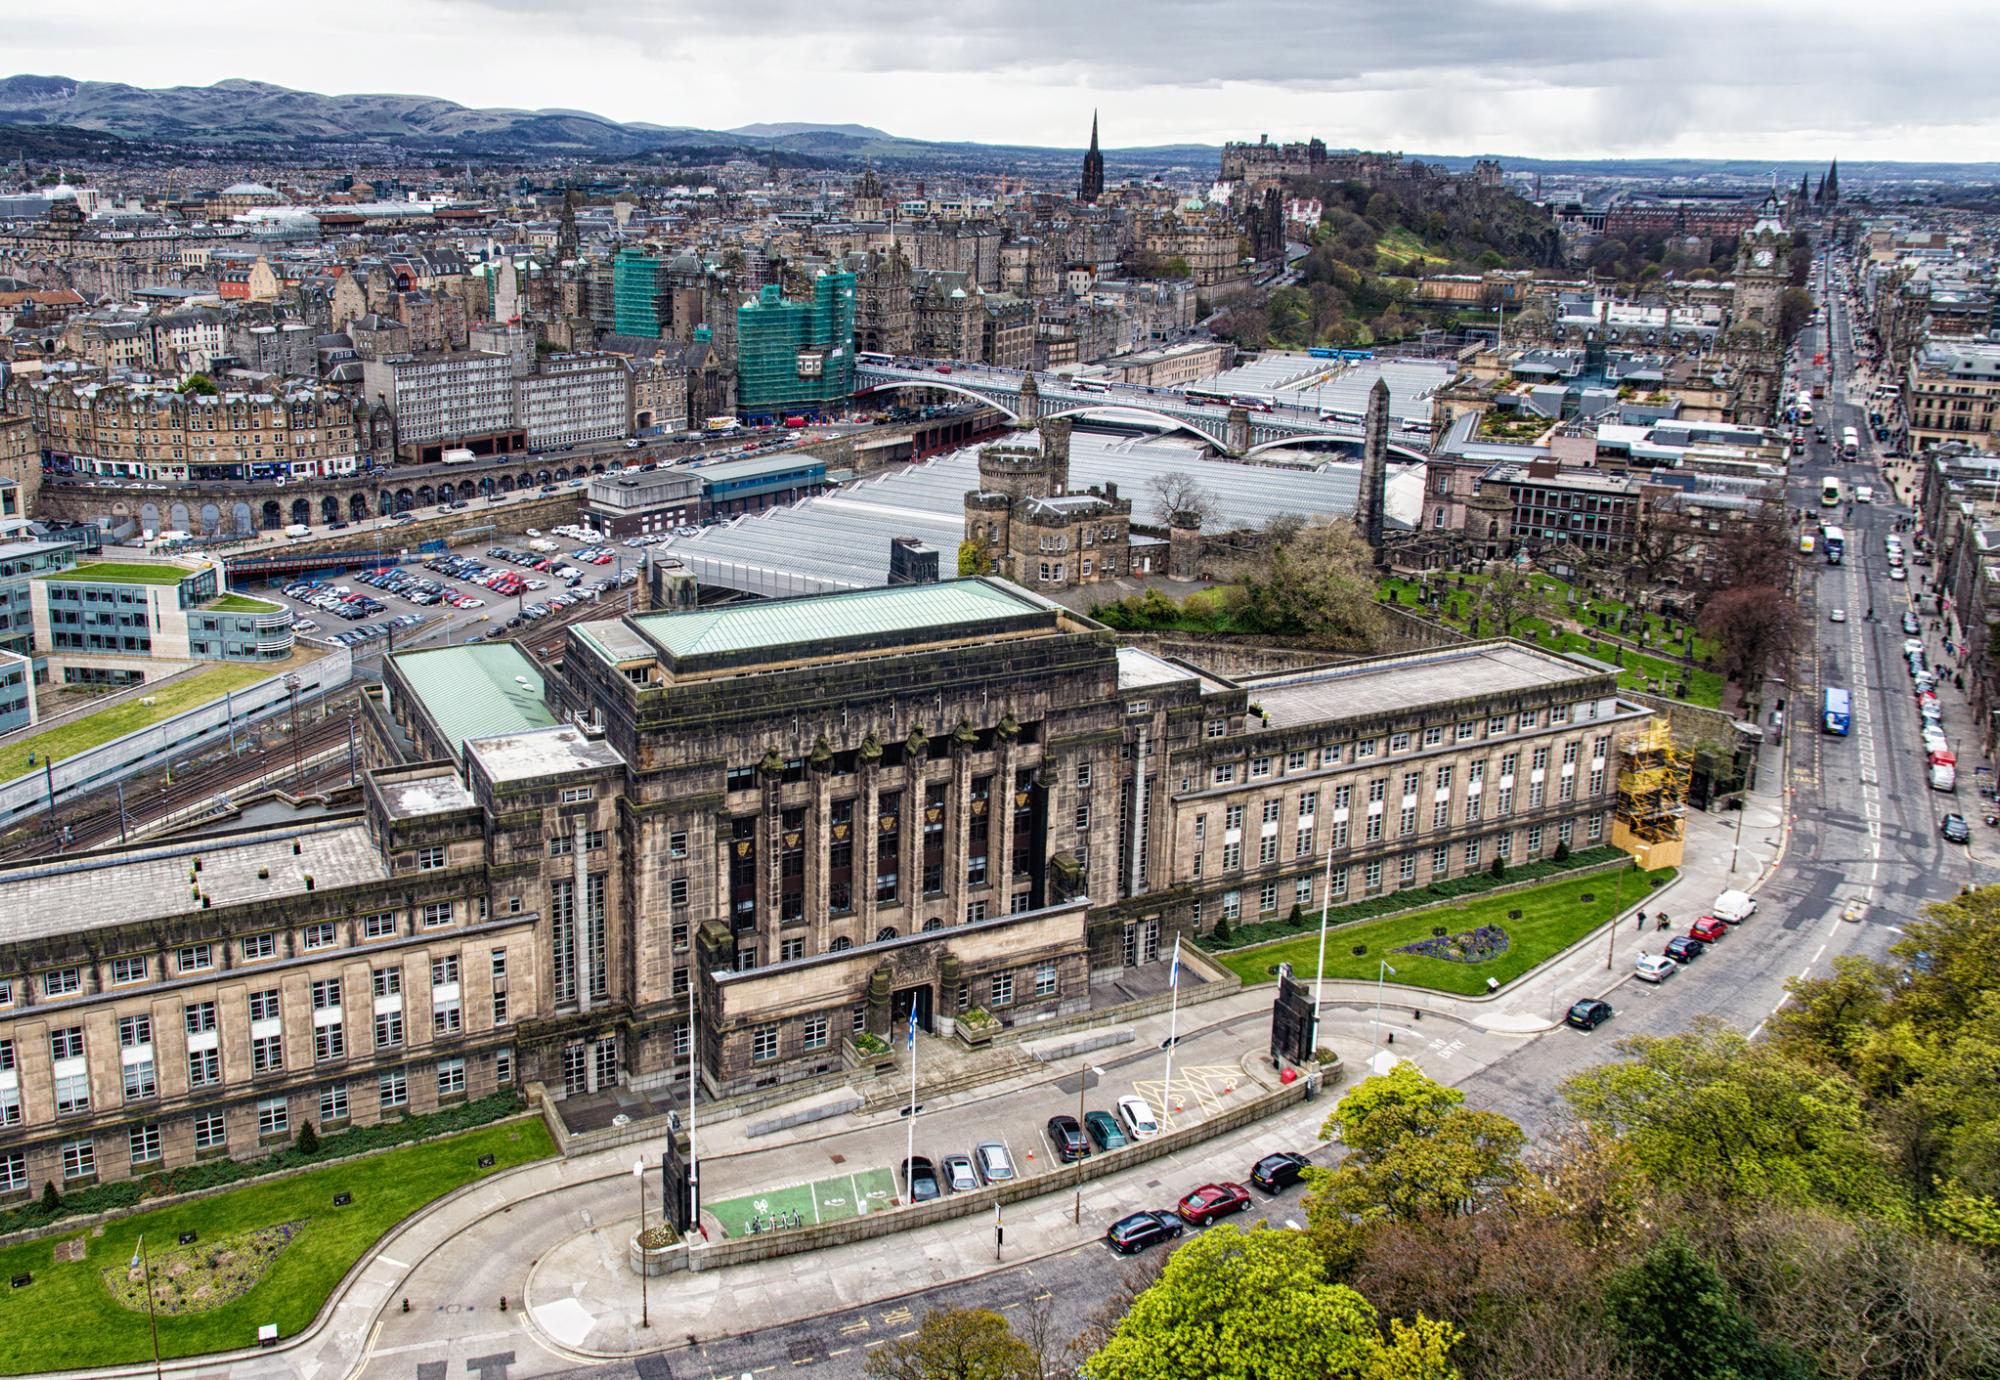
(1178, 498)
(1754, 626)
(1510, 597)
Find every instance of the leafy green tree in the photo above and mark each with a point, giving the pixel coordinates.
(1414, 1150)
(1679, 1320)
(972, 557)
(1315, 581)
(1709, 1113)
(199, 385)
(1236, 1305)
(956, 1344)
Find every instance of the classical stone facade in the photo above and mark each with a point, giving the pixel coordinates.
(794, 820)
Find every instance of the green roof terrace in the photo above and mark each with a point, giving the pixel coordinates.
(120, 573)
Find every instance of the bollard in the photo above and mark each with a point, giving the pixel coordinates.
(406, 1305)
(503, 1303)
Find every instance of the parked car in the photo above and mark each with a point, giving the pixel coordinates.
(1279, 1171)
(1682, 948)
(1837, 616)
(1912, 625)
(1211, 1201)
(993, 1163)
(1955, 829)
(1708, 930)
(920, 1177)
(1103, 1128)
(1588, 1014)
(1138, 1118)
(1654, 967)
(958, 1174)
(1067, 1138)
(1134, 1233)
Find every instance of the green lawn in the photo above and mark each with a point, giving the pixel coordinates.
(120, 573)
(1553, 917)
(239, 603)
(67, 1317)
(1401, 247)
(79, 735)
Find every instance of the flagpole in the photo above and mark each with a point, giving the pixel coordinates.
(1173, 1026)
(152, 1318)
(910, 1142)
(1319, 980)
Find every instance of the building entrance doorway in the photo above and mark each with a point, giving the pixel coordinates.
(916, 999)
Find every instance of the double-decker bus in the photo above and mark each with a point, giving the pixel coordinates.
(1836, 715)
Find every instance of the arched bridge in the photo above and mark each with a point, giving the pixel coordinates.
(1027, 397)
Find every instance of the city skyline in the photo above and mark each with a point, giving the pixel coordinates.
(1530, 78)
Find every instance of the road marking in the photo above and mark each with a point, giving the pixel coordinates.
(1816, 957)
(1782, 1000)
(387, 1261)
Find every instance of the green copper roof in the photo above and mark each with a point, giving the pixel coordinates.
(821, 618)
(473, 692)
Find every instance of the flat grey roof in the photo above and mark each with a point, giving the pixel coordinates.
(542, 752)
(102, 890)
(1381, 686)
(438, 793)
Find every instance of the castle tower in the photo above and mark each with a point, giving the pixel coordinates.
(1369, 509)
(1091, 187)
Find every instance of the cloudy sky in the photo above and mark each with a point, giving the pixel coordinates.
(1755, 79)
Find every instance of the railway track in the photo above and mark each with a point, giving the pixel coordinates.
(101, 817)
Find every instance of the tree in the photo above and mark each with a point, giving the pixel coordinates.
(1709, 1114)
(1176, 495)
(956, 1344)
(972, 557)
(308, 1139)
(1679, 1320)
(1315, 581)
(1753, 625)
(1510, 597)
(1236, 1305)
(1795, 309)
(1414, 1150)
(198, 385)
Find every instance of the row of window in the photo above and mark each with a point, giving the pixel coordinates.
(267, 1047)
(1435, 736)
(211, 1128)
(814, 1030)
(195, 958)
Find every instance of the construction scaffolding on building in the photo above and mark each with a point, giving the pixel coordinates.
(1650, 819)
(796, 354)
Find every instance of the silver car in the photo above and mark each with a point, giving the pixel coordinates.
(957, 1173)
(994, 1164)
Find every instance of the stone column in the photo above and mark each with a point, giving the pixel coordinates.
(819, 838)
(867, 834)
(579, 871)
(958, 822)
(1000, 862)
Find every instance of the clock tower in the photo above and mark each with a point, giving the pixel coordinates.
(1761, 269)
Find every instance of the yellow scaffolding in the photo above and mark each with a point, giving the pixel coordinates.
(1650, 819)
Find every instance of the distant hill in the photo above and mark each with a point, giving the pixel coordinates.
(262, 113)
(782, 128)
(53, 143)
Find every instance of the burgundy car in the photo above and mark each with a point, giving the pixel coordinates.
(1211, 1201)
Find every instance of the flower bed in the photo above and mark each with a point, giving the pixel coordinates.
(1467, 946)
(205, 1275)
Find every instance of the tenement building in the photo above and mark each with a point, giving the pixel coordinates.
(735, 837)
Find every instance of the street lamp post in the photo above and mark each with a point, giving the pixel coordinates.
(639, 1173)
(1381, 976)
(1082, 1082)
(298, 762)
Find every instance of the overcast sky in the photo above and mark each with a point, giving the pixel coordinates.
(1902, 79)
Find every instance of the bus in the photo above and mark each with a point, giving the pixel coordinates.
(1835, 714)
(873, 357)
(1206, 397)
(1836, 544)
(1251, 402)
(1850, 442)
(1829, 492)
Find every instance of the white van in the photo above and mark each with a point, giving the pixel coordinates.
(1733, 907)
(1944, 777)
(1863, 494)
(297, 530)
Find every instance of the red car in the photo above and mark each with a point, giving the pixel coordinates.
(1211, 1201)
(1708, 929)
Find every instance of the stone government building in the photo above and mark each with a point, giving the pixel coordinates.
(814, 816)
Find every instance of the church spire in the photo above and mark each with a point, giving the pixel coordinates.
(1091, 186)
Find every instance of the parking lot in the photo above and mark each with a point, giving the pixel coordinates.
(467, 595)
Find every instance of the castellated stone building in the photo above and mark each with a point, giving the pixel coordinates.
(722, 841)
(1037, 533)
